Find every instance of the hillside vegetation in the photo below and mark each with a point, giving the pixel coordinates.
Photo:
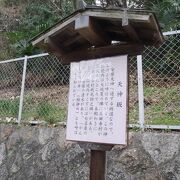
(47, 79)
(20, 20)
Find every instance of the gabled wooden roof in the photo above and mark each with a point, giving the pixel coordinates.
(97, 32)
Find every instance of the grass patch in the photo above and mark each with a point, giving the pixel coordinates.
(133, 115)
(44, 110)
(50, 112)
(164, 106)
(9, 108)
(165, 120)
(32, 111)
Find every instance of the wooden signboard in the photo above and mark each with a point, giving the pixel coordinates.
(98, 96)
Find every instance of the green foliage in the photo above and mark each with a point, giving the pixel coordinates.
(167, 12)
(11, 2)
(50, 112)
(23, 48)
(38, 15)
(9, 107)
(45, 109)
(67, 8)
(42, 111)
(15, 36)
(35, 18)
(164, 107)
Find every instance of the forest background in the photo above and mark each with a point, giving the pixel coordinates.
(20, 20)
(46, 85)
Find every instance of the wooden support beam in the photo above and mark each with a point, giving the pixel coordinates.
(106, 51)
(118, 14)
(131, 32)
(78, 39)
(90, 30)
(51, 46)
(114, 29)
(71, 40)
(98, 165)
(158, 37)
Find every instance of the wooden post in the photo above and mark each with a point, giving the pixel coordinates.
(98, 165)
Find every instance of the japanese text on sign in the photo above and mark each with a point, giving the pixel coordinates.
(97, 109)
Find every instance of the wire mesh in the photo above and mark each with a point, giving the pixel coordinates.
(46, 90)
(47, 83)
(10, 88)
(133, 91)
(161, 68)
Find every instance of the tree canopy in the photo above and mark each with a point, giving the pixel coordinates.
(22, 19)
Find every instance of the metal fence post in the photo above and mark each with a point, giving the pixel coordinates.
(22, 90)
(140, 91)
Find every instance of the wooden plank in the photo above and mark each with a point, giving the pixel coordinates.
(96, 146)
(51, 46)
(158, 37)
(131, 32)
(118, 15)
(72, 40)
(115, 29)
(106, 51)
(58, 28)
(90, 30)
(97, 165)
(106, 14)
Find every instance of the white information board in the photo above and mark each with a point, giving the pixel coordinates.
(97, 110)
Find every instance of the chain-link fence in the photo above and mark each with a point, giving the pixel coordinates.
(133, 91)
(161, 73)
(45, 90)
(40, 87)
(10, 86)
